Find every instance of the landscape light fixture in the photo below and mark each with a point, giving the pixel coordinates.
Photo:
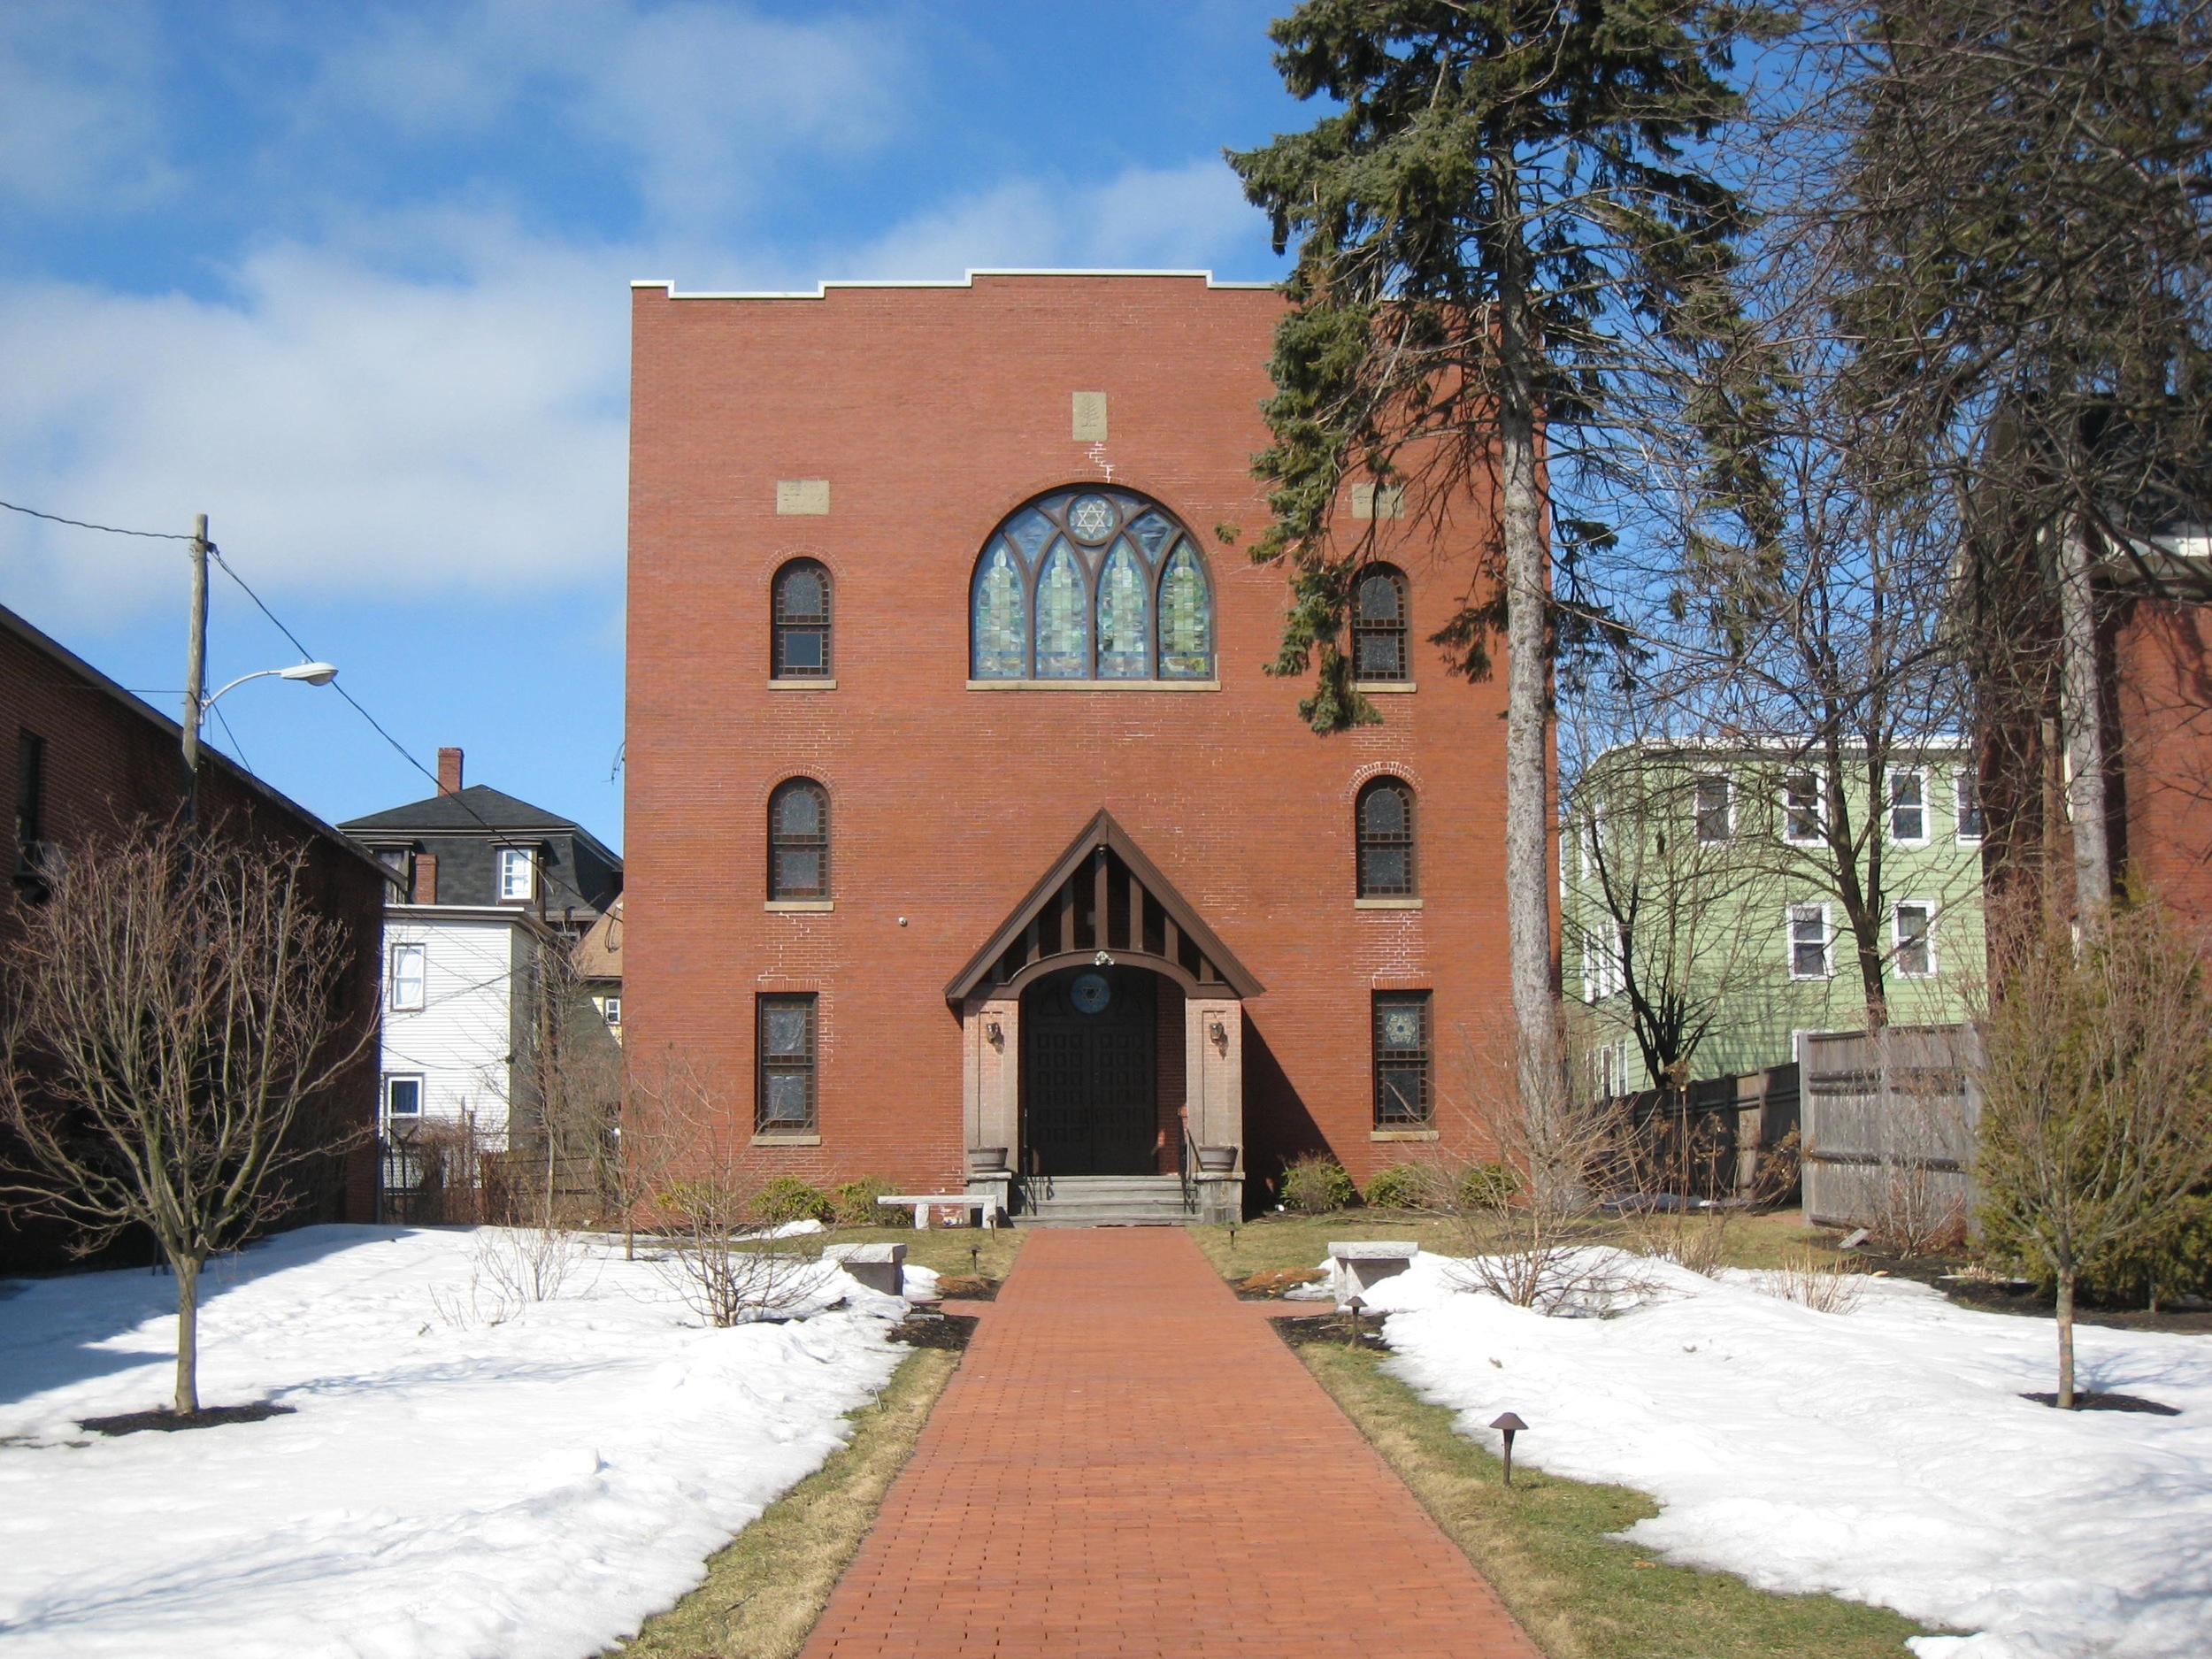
(1354, 1308)
(975, 1261)
(1508, 1424)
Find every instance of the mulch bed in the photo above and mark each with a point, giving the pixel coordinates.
(935, 1330)
(2086, 1401)
(967, 1288)
(1271, 1284)
(168, 1422)
(1334, 1330)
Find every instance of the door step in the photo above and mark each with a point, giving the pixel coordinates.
(1103, 1200)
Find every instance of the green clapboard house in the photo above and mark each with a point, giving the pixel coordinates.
(1707, 902)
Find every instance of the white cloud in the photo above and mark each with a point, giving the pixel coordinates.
(78, 120)
(348, 430)
(1189, 218)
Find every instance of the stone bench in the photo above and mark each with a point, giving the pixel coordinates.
(983, 1203)
(881, 1267)
(1357, 1267)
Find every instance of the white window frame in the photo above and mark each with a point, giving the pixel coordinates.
(1897, 938)
(394, 998)
(1793, 914)
(1967, 782)
(1603, 977)
(414, 1117)
(610, 1008)
(1697, 808)
(1891, 806)
(1820, 811)
(507, 855)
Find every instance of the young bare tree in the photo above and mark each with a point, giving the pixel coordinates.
(177, 1027)
(567, 1113)
(2096, 1119)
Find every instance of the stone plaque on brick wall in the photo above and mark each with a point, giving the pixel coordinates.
(1090, 417)
(802, 496)
(1378, 501)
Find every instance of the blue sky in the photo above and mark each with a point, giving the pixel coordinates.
(352, 279)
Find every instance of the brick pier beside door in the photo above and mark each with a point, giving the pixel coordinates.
(1128, 1463)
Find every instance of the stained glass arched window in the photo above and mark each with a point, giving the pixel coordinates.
(798, 840)
(1379, 625)
(802, 621)
(1088, 584)
(1123, 638)
(1386, 841)
(999, 629)
(1063, 618)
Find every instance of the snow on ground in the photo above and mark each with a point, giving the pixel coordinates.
(533, 1488)
(1883, 1454)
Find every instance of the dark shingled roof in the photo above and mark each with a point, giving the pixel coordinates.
(474, 811)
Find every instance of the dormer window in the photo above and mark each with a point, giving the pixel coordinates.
(518, 875)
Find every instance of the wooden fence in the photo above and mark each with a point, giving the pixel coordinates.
(1888, 1128)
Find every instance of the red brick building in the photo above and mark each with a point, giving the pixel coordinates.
(944, 646)
(91, 760)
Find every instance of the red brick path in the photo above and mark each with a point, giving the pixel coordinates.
(1125, 1465)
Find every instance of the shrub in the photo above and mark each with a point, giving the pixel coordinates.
(855, 1206)
(1485, 1187)
(1401, 1187)
(1315, 1185)
(787, 1199)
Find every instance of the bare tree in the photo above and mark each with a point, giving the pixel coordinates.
(177, 1032)
(566, 1117)
(2096, 1120)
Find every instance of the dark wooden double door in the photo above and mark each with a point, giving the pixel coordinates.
(1090, 1079)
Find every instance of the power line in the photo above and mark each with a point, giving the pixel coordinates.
(79, 524)
(398, 748)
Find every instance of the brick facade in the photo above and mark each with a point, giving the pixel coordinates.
(108, 760)
(932, 413)
(2163, 654)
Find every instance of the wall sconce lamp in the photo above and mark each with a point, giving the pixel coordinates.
(1219, 1033)
(996, 1037)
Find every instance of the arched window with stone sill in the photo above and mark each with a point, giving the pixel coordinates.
(798, 840)
(1385, 824)
(800, 649)
(1090, 584)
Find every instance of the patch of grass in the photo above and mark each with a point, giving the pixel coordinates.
(943, 1249)
(1286, 1240)
(1543, 1546)
(763, 1593)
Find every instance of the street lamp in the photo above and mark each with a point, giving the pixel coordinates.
(313, 673)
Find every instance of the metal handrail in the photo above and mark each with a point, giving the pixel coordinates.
(1186, 1160)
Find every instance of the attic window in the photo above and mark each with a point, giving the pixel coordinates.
(518, 875)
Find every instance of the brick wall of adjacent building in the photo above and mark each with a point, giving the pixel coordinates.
(932, 412)
(2163, 652)
(109, 762)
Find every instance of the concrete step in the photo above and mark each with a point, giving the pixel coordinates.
(1105, 1201)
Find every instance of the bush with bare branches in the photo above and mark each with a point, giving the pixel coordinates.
(1824, 1283)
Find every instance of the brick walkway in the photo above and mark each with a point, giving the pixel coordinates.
(1125, 1465)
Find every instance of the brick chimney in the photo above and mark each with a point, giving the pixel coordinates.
(425, 880)
(448, 772)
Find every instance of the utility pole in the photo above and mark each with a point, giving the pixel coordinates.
(195, 673)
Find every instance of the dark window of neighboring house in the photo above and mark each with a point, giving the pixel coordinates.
(1968, 791)
(401, 863)
(30, 808)
(1378, 626)
(787, 1095)
(1401, 1059)
(1912, 939)
(1802, 819)
(403, 1096)
(798, 840)
(802, 621)
(1716, 807)
(1808, 942)
(1908, 808)
(1385, 839)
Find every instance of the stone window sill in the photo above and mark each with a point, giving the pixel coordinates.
(1402, 1135)
(796, 683)
(1386, 904)
(800, 904)
(1094, 685)
(773, 1137)
(1385, 687)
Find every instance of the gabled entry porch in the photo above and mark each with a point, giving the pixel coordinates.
(1101, 1030)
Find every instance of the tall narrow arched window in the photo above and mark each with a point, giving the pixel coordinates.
(802, 650)
(798, 840)
(1088, 584)
(1386, 841)
(1379, 625)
